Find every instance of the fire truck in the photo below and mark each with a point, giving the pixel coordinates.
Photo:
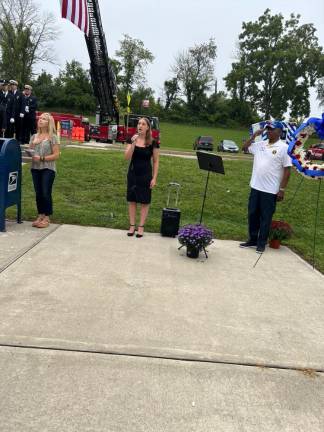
(108, 127)
(74, 120)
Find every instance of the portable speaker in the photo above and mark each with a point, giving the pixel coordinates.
(170, 222)
(171, 216)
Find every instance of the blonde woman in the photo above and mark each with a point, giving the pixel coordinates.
(44, 145)
(141, 179)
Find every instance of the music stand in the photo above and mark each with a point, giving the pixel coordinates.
(211, 163)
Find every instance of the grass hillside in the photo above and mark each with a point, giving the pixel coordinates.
(182, 137)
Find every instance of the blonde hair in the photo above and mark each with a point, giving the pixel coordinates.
(51, 130)
(148, 135)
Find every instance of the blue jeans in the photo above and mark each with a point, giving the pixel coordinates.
(262, 206)
(43, 181)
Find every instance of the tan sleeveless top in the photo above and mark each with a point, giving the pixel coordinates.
(44, 148)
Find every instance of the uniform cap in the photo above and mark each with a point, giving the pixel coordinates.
(13, 82)
(274, 125)
(28, 87)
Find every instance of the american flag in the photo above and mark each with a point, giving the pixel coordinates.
(77, 12)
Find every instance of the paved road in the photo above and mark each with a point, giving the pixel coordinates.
(164, 152)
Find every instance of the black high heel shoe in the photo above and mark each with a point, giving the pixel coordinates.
(140, 235)
(130, 234)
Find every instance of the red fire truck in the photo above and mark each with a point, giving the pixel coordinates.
(107, 127)
(129, 128)
(74, 120)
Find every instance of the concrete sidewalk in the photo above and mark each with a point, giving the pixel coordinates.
(151, 340)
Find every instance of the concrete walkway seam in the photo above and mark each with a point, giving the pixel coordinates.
(171, 358)
(26, 250)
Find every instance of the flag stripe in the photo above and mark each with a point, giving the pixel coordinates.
(73, 12)
(80, 14)
(76, 11)
(64, 8)
(69, 10)
(86, 15)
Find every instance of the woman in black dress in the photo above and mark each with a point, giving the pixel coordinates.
(141, 179)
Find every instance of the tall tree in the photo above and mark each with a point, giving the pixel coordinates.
(171, 89)
(138, 96)
(194, 70)
(278, 62)
(25, 38)
(45, 90)
(134, 58)
(74, 88)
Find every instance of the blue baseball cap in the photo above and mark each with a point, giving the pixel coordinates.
(274, 125)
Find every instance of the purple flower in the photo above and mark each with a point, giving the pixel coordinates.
(195, 235)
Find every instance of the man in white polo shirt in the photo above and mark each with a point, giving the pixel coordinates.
(270, 175)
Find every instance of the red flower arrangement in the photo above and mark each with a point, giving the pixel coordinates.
(280, 230)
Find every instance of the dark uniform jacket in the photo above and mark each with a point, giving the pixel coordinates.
(29, 106)
(16, 102)
(5, 99)
(9, 106)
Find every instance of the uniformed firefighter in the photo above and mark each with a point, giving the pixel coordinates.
(14, 127)
(5, 108)
(28, 114)
(3, 121)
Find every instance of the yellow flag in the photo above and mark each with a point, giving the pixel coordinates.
(58, 130)
(128, 98)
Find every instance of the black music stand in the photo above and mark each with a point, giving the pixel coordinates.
(209, 162)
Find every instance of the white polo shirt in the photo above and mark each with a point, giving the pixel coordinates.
(268, 165)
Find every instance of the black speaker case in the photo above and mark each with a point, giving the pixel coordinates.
(170, 222)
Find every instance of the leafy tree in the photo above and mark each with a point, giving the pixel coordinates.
(116, 67)
(194, 70)
(25, 38)
(70, 91)
(74, 89)
(278, 62)
(44, 89)
(144, 93)
(171, 89)
(134, 57)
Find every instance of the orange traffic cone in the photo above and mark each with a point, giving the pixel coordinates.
(81, 134)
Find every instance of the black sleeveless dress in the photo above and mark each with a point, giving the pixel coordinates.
(140, 175)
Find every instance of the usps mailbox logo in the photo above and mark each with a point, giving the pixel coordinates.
(12, 181)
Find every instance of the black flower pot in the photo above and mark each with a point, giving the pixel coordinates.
(192, 252)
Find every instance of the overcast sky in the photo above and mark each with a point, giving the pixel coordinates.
(169, 26)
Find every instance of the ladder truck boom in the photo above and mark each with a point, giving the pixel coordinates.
(107, 127)
(102, 75)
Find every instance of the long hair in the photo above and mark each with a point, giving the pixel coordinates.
(148, 135)
(51, 125)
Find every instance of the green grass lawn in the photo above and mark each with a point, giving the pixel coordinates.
(90, 190)
(182, 137)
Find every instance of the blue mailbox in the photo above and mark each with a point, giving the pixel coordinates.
(10, 179)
